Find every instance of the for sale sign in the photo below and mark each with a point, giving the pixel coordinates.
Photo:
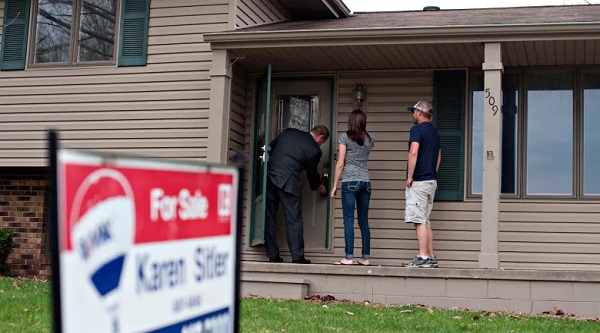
(145, 246)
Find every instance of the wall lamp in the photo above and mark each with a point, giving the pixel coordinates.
(360, 96)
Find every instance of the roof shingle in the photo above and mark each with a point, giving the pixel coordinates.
(456, 17)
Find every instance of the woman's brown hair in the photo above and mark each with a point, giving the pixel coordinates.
(357, 127)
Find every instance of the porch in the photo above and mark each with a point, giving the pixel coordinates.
(397, 58)
(545, 233)
(525, 291)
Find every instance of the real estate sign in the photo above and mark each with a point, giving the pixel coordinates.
(145, 246)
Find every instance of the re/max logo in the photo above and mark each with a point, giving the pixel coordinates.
(95, 239)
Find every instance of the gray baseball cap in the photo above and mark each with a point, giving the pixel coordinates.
(421, 106)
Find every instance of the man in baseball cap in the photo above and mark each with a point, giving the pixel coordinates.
(424, 157)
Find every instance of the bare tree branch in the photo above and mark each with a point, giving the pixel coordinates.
(67, 25)
(11, 22)
(100, 11)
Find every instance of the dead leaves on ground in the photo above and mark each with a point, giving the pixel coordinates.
(329, 299)
(555, 312)
(321, 299)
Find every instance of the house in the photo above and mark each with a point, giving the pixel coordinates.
(515, 94)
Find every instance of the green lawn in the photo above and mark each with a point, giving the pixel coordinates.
(24, 307)
(263, 315)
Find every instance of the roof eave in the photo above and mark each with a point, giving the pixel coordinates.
(404, 35)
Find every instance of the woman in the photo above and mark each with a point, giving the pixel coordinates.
(354, 149)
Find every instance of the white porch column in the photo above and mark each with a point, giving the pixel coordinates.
(220, 99)
(492, 122)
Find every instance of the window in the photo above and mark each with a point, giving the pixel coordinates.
(549, 133)
(591, 134)
(510, 116)
(74, 31)
(67, 32)
(550, 139)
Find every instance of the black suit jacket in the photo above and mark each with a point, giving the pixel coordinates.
(291, 152)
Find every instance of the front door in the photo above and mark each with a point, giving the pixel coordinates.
(300, 104)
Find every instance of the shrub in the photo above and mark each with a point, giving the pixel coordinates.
(6, 247)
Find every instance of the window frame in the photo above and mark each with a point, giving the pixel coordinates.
(581, 135)
(579, 75)
(74, 39)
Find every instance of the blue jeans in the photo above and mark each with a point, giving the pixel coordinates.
(356, 194)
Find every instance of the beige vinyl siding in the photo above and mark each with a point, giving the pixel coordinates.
(250, 254)
(158, 110)
(456, 224)
(239, 127)
(258, 12)
(237, 123)
(550, 235)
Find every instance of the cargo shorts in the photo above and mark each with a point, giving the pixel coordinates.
(419, 201)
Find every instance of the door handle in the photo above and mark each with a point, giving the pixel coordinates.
(263, 157)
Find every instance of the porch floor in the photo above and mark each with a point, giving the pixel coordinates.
(527, 291)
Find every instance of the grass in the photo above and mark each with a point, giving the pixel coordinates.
(24, 307)
(268, 315)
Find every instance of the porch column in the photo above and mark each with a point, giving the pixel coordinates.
(220, 99)
(492, 121)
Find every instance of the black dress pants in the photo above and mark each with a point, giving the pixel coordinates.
(292, 213)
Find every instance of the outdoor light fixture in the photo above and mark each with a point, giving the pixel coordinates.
(360, 95)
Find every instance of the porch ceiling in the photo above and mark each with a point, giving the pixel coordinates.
(417, 56)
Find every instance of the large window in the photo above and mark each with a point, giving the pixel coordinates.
(591, 134)
(550, 137)
(510, 116)
(74, 31)
(549, 133)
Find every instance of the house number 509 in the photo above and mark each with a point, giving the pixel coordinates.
(491, 100)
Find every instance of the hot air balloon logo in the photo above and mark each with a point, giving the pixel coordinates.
(103, 230)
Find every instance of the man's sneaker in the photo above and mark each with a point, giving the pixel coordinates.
(419, 262)
(434, 262)
(408, 263)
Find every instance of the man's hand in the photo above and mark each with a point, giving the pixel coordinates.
(409, 182)
(322, 189)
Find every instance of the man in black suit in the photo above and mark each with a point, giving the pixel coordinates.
(291, 152)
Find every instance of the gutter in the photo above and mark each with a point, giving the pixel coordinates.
(341, 6)
(404, 35)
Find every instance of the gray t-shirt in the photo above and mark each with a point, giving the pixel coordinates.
(355, 164)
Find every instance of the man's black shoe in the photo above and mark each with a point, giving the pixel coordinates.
(301, 261)
(276, 259)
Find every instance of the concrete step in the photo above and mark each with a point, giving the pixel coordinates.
(274, 286)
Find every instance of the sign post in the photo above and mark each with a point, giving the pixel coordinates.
(143, 246)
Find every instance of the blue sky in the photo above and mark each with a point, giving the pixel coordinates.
(390, 5)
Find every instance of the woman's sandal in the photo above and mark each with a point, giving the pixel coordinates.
(353, 263)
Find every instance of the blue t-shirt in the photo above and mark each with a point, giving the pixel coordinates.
(429, 146)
